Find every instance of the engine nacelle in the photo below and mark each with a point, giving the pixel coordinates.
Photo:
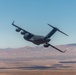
(18, 30)
(22, 32)
(46, 45)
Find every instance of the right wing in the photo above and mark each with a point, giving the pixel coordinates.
(24, 31)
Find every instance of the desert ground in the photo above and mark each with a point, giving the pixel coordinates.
(38, 61)
(38, 72)
(38, 67)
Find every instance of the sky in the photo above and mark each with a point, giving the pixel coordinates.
(33, 16)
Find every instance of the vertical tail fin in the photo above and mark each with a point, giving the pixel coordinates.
(50, 33)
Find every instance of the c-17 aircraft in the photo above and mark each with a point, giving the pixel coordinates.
(37, 39)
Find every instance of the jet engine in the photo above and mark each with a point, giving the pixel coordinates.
(18, 30)
(23, 32)
(46, 45)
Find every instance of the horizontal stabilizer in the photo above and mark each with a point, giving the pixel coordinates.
(58, 29)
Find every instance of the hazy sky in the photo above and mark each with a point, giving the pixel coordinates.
(33, 16)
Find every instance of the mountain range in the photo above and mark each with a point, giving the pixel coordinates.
(39, 52)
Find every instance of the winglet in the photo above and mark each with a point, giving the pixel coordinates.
(13, 22)
(64, 51)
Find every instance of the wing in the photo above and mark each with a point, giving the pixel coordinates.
(27, 35)
(57, 48)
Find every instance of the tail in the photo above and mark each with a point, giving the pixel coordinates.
(58, 30)
(53, 31)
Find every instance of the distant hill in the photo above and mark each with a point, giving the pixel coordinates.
(35, 53)
(74, 44)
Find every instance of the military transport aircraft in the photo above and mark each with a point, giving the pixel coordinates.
(37, 39)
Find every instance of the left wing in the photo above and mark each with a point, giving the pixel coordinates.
(24, 32)
(56, 48)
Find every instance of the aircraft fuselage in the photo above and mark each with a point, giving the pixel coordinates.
(38, 40)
